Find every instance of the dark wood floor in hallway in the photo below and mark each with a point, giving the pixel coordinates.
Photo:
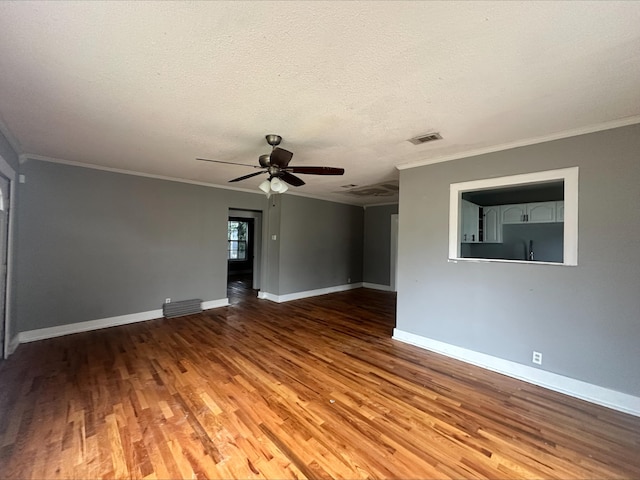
(313, 388)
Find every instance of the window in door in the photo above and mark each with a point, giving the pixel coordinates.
(237, 240)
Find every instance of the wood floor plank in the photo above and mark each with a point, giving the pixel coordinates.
(313, 388)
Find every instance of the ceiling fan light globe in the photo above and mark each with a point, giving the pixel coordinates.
(276, 185)
(265, 186)
(284, 187)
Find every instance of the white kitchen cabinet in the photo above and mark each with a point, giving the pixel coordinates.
(541, 212)
(491, 225)
(559, 211)
(538, 212)
(513, 213)
(470, 225)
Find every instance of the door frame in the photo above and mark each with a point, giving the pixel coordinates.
(393, 269)
(256, 215)
(10, 174)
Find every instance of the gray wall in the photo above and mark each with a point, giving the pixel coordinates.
(584, 319)
(377, 244)
(320, 244)
(272, 247)
(96, 244)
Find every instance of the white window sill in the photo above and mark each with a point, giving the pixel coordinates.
(502, 260)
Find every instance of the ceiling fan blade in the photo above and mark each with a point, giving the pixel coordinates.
(317, 170)
(291, 179)
(244, 177)
(228, 163)
(280, 157)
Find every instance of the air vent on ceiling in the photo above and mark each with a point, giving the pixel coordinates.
(386, 189)
(429, 137)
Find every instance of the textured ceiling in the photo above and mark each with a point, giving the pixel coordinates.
(147, 86)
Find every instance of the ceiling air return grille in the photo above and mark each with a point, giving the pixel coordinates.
(386, 189)
(429, 137)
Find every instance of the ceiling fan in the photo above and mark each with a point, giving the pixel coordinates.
(276, 164)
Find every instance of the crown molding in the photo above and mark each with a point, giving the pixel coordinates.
(43, 158)
(622, 122)
(381, 204)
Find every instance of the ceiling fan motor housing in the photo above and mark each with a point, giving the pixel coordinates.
(274, 171)
(265, 160)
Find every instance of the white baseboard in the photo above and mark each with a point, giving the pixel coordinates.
(223, 302)
(377, 286)
(622, 402)
(13, 344)
(309, 293)
(267, 296)
(60, 330)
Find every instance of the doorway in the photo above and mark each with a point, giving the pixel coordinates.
(393, 267)
(244, 246)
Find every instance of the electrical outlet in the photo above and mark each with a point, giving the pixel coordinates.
(167, 300)
(537, 358)
(349, 280)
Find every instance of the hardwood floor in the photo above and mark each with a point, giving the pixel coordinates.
(313, 388)
(239, 288)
